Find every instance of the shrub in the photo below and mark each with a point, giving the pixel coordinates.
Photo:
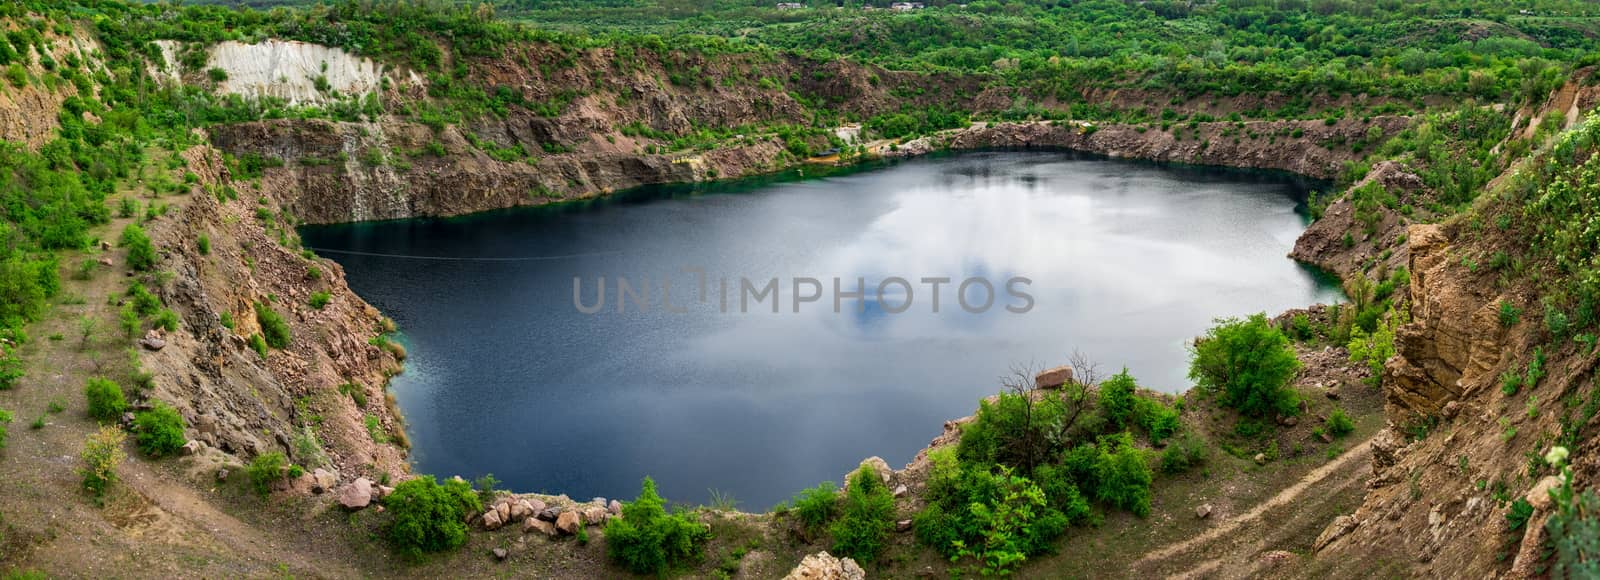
(141, 255)
(1509, 314)
(10, 368)
(648, 540)
(265, 470)
(1007, 526)
(429, 517)
(320, 299)
(1117, 398)
(105, 398)
(1158, 419)
(1122, 475)
(867, 520)
(273, 328)
(204, 243)
(158, 431)
(102, 453)
(258, 344)
(216, 74)
(1249, 363)
(5, 419)
(1339, 424)
(1183, 454)
(817, 506)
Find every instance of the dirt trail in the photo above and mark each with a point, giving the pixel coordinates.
(1361, 453)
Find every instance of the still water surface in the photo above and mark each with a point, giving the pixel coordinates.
(1127, 260)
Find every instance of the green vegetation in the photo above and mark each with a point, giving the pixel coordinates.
(648, 540)
(319, 299)
(1339, 424)
(1249, 363)
(5, 419)
(273, 329)
(102, 453)
(141, 255)
(429, 517)
(266, 470)
(159, 430)
(867, 518)
(105, 398)
(817, 506)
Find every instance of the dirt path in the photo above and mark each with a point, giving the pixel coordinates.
(1230, 529)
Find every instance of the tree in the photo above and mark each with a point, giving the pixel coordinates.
(648, 540)
(429, 517)
(141, 255)
(1249, 363)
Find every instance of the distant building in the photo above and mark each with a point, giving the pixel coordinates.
(907, 6)
(790, 5)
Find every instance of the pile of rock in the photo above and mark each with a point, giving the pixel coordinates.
(553, 520)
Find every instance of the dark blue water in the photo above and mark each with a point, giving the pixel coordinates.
(1127, 261)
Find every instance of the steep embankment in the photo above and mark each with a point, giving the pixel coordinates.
(601, 120)
(1488, 375)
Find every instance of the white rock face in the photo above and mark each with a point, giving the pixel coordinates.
(289, 70)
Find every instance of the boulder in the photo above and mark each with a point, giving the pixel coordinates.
(902, 526)
(1053, 378)
(1341, 525)
(323, 480)
(1261, 459)
(877, 465)
(491, 520)
(549, 514)
(900, 490)
(1288, 421)
(1539, 496)
(192, 447)
(503, 509)
(537, 525)
(152, 344)
(1203, 512)
(520, 510)
(1332, 393)
(569, 522)
(382, 491)
(615, 508)
(501, 554)
(594, 515)
(823, 566)
(356, 494)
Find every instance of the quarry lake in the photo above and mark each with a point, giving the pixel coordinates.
(1127, 261)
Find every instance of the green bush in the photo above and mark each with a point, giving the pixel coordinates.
(1158, 419)
(1249, 363)
(141, 255)
(1339, 424)
(105, 398)
(273, 328)
(265, 470)
(429, 517)
(1122, 475)
(158, 431)
(867, 520)
(1117, 399)
(5, 419)
(1016, 523)
(204, 244)
(817, 506)
(258, 344)
(320, 299)
(648, 540)
(1022, 430)
(1183, 454)
(1509, 314)
(10, 368)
